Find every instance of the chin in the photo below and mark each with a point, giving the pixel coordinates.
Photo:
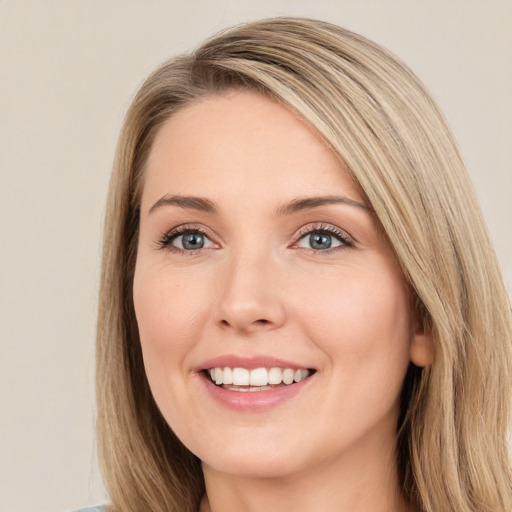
(260, 457)
(255, 466)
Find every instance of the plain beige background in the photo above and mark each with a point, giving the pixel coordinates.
(69, 69)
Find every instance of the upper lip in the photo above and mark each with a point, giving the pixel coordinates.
(249, 362)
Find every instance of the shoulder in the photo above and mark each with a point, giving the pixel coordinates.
(97, 508)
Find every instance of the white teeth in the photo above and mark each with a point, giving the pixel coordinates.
(227, 376)
(244, 389)
(275, 376)
(257, 379)
(300, 375)
(288, 375)
(240, 377)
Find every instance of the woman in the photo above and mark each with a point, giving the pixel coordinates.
(300, 306)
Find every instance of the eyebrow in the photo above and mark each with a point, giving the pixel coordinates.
(191, 202)
(314, 202)
(205, 205)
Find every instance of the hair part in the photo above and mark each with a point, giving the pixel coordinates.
(379, 119)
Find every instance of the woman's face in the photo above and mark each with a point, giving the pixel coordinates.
(257, 255)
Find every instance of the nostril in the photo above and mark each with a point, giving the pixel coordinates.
(254, 324)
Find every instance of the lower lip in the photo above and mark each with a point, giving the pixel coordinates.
(254, 401)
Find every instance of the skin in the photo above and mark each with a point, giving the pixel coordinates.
(258, 288)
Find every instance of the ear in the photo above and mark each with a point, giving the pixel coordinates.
(422, 343)
(422, 350)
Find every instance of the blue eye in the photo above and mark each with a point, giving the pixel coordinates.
(189, 241)
(324, 239)
(185, 240)
(320, 241)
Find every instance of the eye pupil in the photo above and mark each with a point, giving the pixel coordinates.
(193, 241)
(320, 241)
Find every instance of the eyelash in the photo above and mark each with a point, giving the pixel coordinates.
(166, 239)
(329, 229)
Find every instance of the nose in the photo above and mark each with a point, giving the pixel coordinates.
(250, 296)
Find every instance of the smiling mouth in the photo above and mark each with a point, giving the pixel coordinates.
(257, 379)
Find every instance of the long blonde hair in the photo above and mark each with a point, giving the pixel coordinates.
(382, 123)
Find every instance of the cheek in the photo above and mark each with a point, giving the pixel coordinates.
(170, 316)
(362, 322)
(168, 311)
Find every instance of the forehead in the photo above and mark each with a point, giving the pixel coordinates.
(245, 143)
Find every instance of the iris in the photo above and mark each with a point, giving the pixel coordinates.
(320, 241)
